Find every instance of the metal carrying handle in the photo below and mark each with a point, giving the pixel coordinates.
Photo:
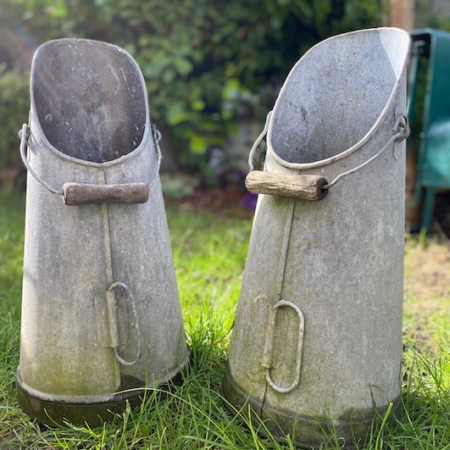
(401, 129)
(308, 187)
(251, 156)
(24, 135)
(114, 328)
(79, 193)
(266, 360)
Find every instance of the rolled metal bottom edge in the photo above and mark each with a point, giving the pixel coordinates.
(91, 411)
(306, 431)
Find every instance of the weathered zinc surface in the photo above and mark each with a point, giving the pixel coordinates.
(317, 340)
(100, 311)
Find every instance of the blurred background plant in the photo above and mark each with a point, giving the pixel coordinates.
(14, 106)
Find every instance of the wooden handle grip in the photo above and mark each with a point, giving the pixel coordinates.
(81, 194)
(306, 187)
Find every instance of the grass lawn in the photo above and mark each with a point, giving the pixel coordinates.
(209, 253)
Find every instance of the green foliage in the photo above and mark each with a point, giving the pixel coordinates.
(14, 107)
(432, 14)
(206, 63)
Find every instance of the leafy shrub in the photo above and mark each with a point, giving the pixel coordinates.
(14, 107)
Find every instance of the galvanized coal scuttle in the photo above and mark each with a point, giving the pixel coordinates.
(317, 341)
(101, 318)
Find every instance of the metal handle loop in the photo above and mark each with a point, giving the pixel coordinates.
(156, 134)
(24, 135)
(267, 356)
(401, 129)
(251, 156)
(130, 299)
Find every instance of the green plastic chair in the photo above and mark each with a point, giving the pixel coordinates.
(429, 116)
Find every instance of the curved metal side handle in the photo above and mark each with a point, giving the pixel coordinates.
(266, 360)
(82, 193)
(24, 135)
(401, 131)
(113, 322)
(251, 157)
